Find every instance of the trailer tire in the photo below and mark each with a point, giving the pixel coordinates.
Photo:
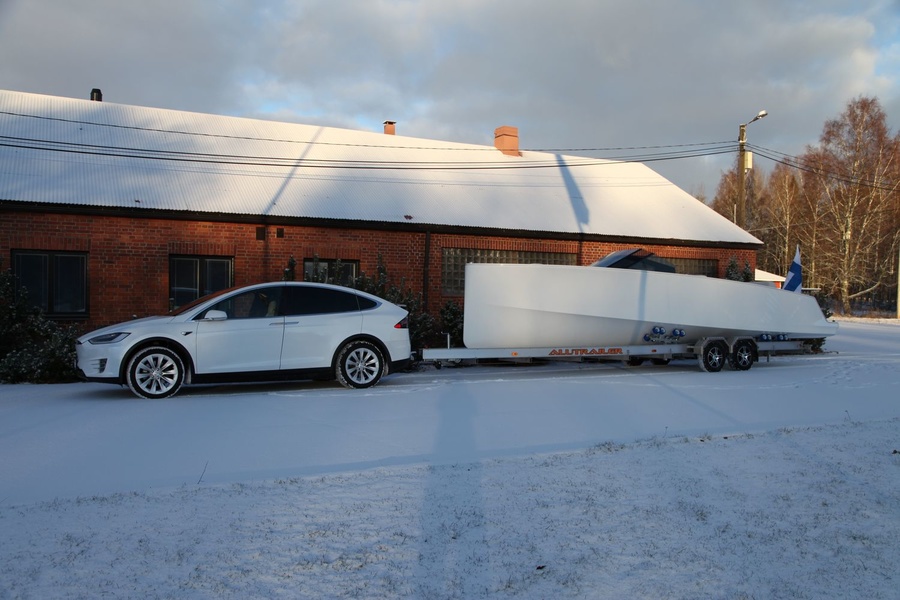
(713, 356)
(744, 355)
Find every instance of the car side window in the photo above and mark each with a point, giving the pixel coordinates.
(255, 304)
(317, 301)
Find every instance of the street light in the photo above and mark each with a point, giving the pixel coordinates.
(744, 165)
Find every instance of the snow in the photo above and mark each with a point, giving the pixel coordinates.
(562, 480)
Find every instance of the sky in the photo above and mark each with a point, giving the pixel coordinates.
(588, 75)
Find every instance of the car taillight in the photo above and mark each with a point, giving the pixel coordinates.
(404, 324)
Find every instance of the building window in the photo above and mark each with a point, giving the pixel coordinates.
(56, 281)
(453, 273)
(695, 266)
(328, 270)
(192, 277)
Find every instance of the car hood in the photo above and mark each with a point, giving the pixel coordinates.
(129, 326)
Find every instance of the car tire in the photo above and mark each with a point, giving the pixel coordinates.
(155, 372)
(360, 364)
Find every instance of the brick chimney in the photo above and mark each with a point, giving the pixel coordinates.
(506, 140)
(389, 127)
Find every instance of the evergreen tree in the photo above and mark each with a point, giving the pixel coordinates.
(32, 348)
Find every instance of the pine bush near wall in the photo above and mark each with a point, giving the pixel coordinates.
(735, 273)
(421, 324)
(452, 323)
(33, 349)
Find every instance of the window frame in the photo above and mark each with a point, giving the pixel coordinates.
(52, 281)
(202, 286)
(329, 265)
(454, 260)
(707, 267)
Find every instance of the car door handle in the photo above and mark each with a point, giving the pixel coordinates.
(292, 322)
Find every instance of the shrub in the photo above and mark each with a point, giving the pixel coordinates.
(32, 348)
(452, 322)
(421, 323)
(735, 273)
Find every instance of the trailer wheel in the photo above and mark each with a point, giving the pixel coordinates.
(713, 356)
(634, 361)
(660, 361)
(744, 355)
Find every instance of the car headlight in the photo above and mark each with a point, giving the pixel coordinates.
(109, 338)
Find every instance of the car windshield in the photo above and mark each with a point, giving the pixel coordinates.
(183, 309)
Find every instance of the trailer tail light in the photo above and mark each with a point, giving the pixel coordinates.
(403, 324)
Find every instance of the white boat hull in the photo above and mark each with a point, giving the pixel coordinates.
(540, 306)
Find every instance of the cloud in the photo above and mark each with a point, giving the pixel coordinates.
(569, 74)
(166, 53)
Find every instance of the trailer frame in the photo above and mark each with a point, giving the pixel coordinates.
(711, 353)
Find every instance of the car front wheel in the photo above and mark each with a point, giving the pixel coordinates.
(155, 372)
(360, 364)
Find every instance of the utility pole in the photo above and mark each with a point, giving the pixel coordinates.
(745, 163)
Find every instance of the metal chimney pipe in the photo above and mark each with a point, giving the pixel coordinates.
(96, 95)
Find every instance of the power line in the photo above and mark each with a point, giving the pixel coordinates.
(799, 164)
(460, 148)
(275, 161)
(620, 153)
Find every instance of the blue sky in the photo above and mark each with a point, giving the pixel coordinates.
(568, 73)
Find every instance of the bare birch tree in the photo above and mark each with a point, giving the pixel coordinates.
(780, 218)
(855, 168)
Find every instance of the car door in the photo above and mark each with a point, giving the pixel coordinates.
(248, 339)
(317, 319)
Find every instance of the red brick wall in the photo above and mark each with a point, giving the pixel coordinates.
(128, 259)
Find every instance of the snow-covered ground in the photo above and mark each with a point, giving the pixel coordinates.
(543, 481)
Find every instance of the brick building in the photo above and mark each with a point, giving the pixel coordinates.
(109, 211)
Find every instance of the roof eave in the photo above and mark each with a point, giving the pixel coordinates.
(410, 227)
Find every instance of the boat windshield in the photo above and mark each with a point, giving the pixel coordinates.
(635, 258)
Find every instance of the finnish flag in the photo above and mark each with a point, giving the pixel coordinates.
(794, 280)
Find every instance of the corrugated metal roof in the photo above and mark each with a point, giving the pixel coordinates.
(67, 151)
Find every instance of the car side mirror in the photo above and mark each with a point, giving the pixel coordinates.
(215, 315)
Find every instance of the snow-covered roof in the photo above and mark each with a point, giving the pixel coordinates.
(761, 275)
(78, 152)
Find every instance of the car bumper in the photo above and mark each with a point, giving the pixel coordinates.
(101, 362)
(399, 365)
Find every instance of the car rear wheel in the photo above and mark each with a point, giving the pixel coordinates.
(360, 364)
(155, 372)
